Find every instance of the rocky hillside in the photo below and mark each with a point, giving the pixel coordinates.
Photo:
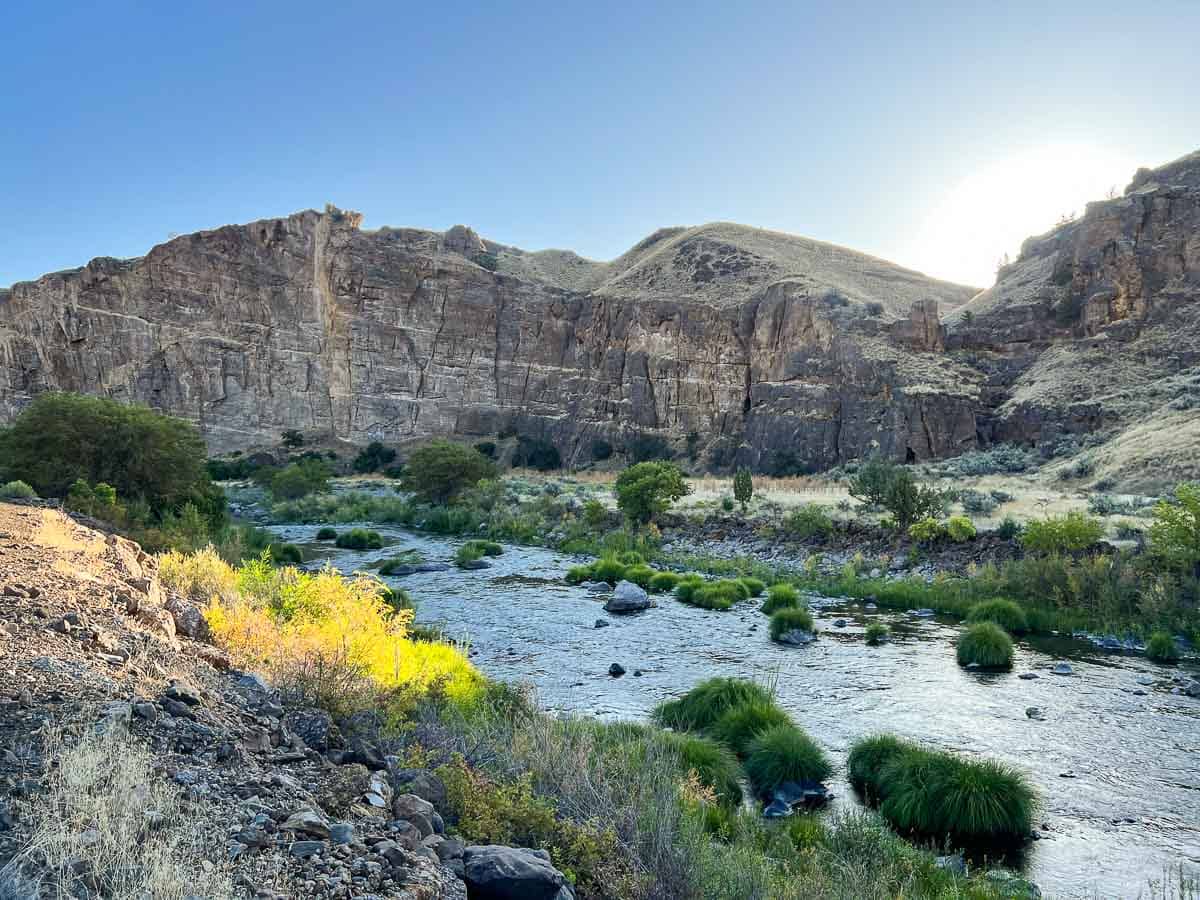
(280, 803)
(772, 349)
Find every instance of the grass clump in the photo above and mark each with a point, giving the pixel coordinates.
(578, 574)
(877, 633)
(640, 574)
(327, 534)
(792, 618)
(780, 596)
(286, 554)
(1161, 647)
(985, 645)
(1005, 613)
(359, 539)
(687, 586)
(755, 586)
(486, 548)
(742, 724)
(714, 766)
(397, 564)
(868, 759)
(703, 705)
(467, 555)
(1071, 533)
(664, 581)
(609, 569)
(720, 595)
(784, 753)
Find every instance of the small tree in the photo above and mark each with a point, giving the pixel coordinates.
(292, 438)
(441, 470)
(309, 476)
(909, 502)
(870, 484)
(743, 487)
(647, 489)
(1175, 533)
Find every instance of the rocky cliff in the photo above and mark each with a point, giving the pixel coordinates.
(772, 349)
(756, 341)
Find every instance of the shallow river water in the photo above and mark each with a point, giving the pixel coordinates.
(1116, 757)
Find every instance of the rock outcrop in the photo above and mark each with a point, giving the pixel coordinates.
(762, 344)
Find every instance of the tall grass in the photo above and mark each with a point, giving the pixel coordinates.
(987, 645)
(789, 619)
(784, 753)
(707, 702)
(739, 726)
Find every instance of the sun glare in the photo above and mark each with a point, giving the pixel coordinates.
(990, 212)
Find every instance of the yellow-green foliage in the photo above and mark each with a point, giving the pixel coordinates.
(1062, 534)
(511, 814)
(960, 528)
(199, 576)
(927, 530)
(285, 620)
(1175, 534)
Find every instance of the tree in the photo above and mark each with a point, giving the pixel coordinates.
(647, 489)
(870, 484)
(880, 482)
(308, 476)
(441, 470)
(375, 456)
(292, 438)
(743, 487)
(145, 456)
(1175, 532)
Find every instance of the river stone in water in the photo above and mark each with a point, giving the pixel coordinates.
(797, 637)
(627, 597)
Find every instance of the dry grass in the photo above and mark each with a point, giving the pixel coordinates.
(107, 827)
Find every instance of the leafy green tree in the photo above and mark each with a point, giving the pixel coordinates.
(1175, 533)
(441, 470)
(145, 456)
(743, 487)
(308, 476)
(292, 438)
(647, 489)
(870, 483)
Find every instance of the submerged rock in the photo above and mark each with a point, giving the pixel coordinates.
(797, 637)
(616, 670)
(1062, 669)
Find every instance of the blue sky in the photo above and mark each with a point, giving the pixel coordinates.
(930, 135)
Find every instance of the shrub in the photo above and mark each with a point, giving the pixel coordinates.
(1005, 613)
(1008, 529)
(309, 476)
(578, 574)
(986, 645)
(719, 595)
(536, 453)
(486, 548)
(441, 470)
(727, 504)
(467, 554)
(17, 490)
(1071, 533)
(1003, 458)
(373, 457)
(199, 576)
(664, 581)
(1161, 647)
(703, 705)
(927, 531)
(742, 724)
(641, 575)
(714, 765)
(601, 450)
(790, 619)
(359, 539)
(876, 633)
(1175, 531)
(60, 439)
(784, 753)
(285, 554)
(882, 483)
(631, 558)
(780, 596)
(647, 489)
(327, 534)
(608, 569)
(754, 586)
(809, 521)
(976, 502)
(960, 528)
(743, 487)
(687, 586)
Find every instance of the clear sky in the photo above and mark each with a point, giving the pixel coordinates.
(934, 134)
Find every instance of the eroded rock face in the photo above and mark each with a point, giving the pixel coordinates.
(762, 344)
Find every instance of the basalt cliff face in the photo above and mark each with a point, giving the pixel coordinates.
(771, 349)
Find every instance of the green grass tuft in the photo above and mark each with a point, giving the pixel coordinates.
(715, 766)
(664, 581)
(578, 574)
(608, 569)
(780, 596)
(877, 633)
(1161, 647)
(755, 586)
(790, 619)
(867, 760)
(742, 724)
(640, 574)
(716, 594)
(704, 704)
(359, 539)
(327, 534)
(784, 753)
(1005, 613)
(987, 645)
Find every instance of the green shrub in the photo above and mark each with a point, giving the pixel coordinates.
(647, 489)
(715, 766)
(487, 548)
(286, 554)
(595, 513)
(608, 569)
(780, 596)
(467, 554)
(876, 633)
(641, 575)
(309, 476)
(664, 581)
(1071, 533)
(976, 502)
(703, 705)
(686, 587)
(1161, 647)
(790, 619)
(882, 483)
(441, 470)
(743, 487)
(869, 758)
(986, 645)
(809, 521)
(1008, 529)
(359, 539)
(327, 534)
(1175, 532)
(742, 724)
(960, 528)
(579, 574)
(754, 586)
(1005, 613)
(784, 753)
(17, 490)
(373, 457)
(727, 504)
(927, 531)
(718, 594)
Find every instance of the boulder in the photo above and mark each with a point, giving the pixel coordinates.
(627, 597)
(797, 637)
(315, 727)
(188, 618)
(511, 873)
(423, 784)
